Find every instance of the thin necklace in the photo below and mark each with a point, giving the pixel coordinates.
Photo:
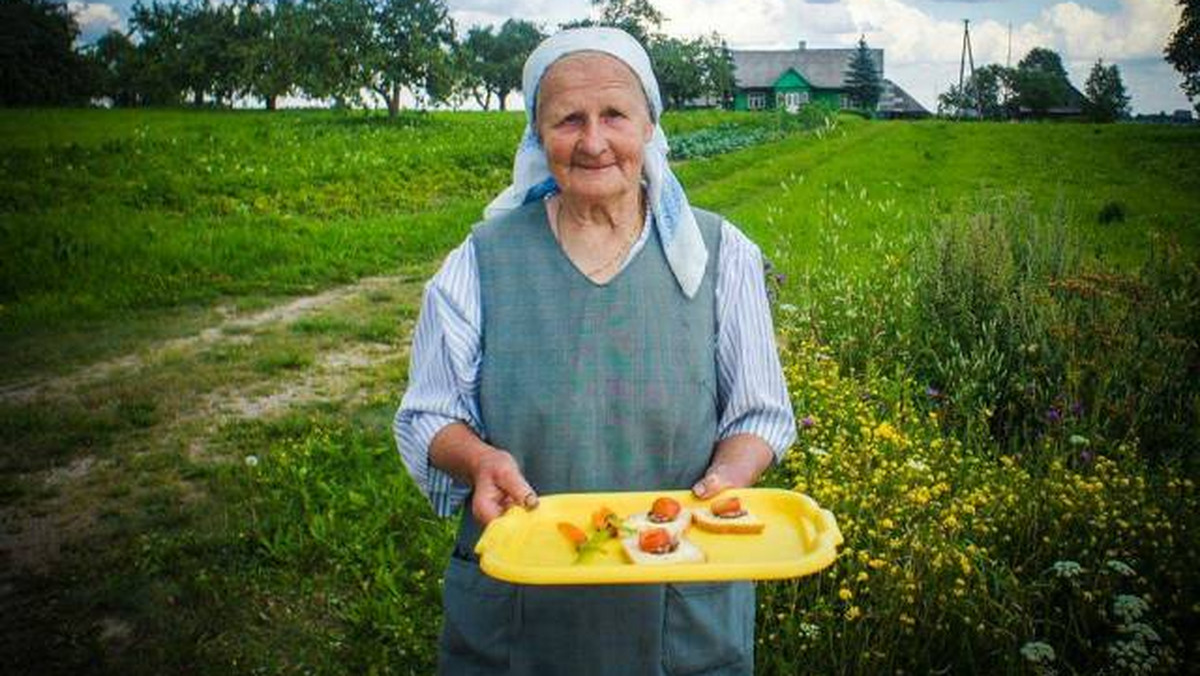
(633, 233)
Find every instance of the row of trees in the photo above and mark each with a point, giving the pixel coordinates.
(342, 51)
(1038, 84)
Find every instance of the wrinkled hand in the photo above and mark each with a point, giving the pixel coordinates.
(737, 463)
(498, 485)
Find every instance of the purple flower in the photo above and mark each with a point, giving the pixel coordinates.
(1086, 457)
(1053, 415)
(1077, 409)
(807, 422)
(933, 392)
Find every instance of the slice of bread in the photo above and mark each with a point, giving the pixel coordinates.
(707, 521)
(641, 521)
(686, 552)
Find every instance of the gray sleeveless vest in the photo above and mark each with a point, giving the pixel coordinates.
(593, 388)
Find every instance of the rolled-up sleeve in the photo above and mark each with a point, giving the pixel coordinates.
(443, 375)
(751, 391)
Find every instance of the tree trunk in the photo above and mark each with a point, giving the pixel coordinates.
(394, 101)
(271, 102)
(197, 98)
(502, 95)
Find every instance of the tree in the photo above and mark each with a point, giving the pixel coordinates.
(160, 78)
(863, 79)
(679, 67)
(1183, 50)
(413, 47)
(1106, 97)
(1040, 81)
(719, 82)
(988, 92)
(334, 61)
(117, 59)
(639, 18)
(272, 39)
(38, 62)
(496, 60)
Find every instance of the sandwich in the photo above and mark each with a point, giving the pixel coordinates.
(656, 546)
(665, 513)
(727, 515)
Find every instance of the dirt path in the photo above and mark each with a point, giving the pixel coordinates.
(233, 327)
(193, 385)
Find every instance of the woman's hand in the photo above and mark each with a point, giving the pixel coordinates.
(498, 484)
(493, 474)
(738, 462)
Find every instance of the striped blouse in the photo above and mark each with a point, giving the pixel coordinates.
(443, 373)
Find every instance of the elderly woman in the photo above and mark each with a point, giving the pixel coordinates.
(594, 333)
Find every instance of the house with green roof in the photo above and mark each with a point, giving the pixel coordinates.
(789, 79)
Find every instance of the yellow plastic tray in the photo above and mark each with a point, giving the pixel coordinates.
(525, 546)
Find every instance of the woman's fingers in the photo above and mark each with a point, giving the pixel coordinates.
(498, 486)
(714, 482)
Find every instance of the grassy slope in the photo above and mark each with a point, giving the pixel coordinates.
(285, 571)
(893, 179)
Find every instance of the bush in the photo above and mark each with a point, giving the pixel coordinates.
(1111, 212)
(951, 565)
(1027, 341)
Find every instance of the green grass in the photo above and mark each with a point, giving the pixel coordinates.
(292, 541)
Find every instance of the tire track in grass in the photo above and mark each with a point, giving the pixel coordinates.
(200, 389)
(230, 329)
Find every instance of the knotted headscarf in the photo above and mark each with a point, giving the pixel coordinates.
(532, 180)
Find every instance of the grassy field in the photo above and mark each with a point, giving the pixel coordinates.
(989, 333)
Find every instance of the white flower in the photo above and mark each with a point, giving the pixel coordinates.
(1077, 440)
(1120, 568)
(1129, 607)
(788, 307)
(1067, 569)
(252, 461)
(817, 450)
(1037, 652)
(917, 465)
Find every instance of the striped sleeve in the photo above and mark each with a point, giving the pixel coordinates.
(751, 393)
(443, 375)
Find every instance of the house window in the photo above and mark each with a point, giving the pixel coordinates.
(846, 103)
(756, 100)
(791, 101)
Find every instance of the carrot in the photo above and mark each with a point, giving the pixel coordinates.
(654, 540)
(572, 532)
(664, 509)
(727, 506)
(600, 518)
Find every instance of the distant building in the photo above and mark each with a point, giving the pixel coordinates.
(1071, 107)
(791, 78)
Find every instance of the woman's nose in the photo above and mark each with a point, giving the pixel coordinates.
(593, 141)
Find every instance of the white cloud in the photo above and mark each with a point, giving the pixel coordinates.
(95, 18)
(1139, 29)
(921, 50)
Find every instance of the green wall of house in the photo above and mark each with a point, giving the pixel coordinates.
(790, 81)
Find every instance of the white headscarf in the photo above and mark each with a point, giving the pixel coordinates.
(677, 229)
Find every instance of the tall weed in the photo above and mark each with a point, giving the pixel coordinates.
(1022, 337)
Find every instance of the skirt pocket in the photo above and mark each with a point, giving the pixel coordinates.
(709, 629)
(477, 626)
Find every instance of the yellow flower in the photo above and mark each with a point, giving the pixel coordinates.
(853, 613)
(845, 594)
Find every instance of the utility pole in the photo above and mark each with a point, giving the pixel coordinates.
(964, 59)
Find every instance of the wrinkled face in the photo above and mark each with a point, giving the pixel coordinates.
(593, 120)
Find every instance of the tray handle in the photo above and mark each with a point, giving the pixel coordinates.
(500, 529)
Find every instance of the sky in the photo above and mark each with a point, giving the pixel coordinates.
(921, 39)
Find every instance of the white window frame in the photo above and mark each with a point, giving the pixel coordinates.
(756, 100)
